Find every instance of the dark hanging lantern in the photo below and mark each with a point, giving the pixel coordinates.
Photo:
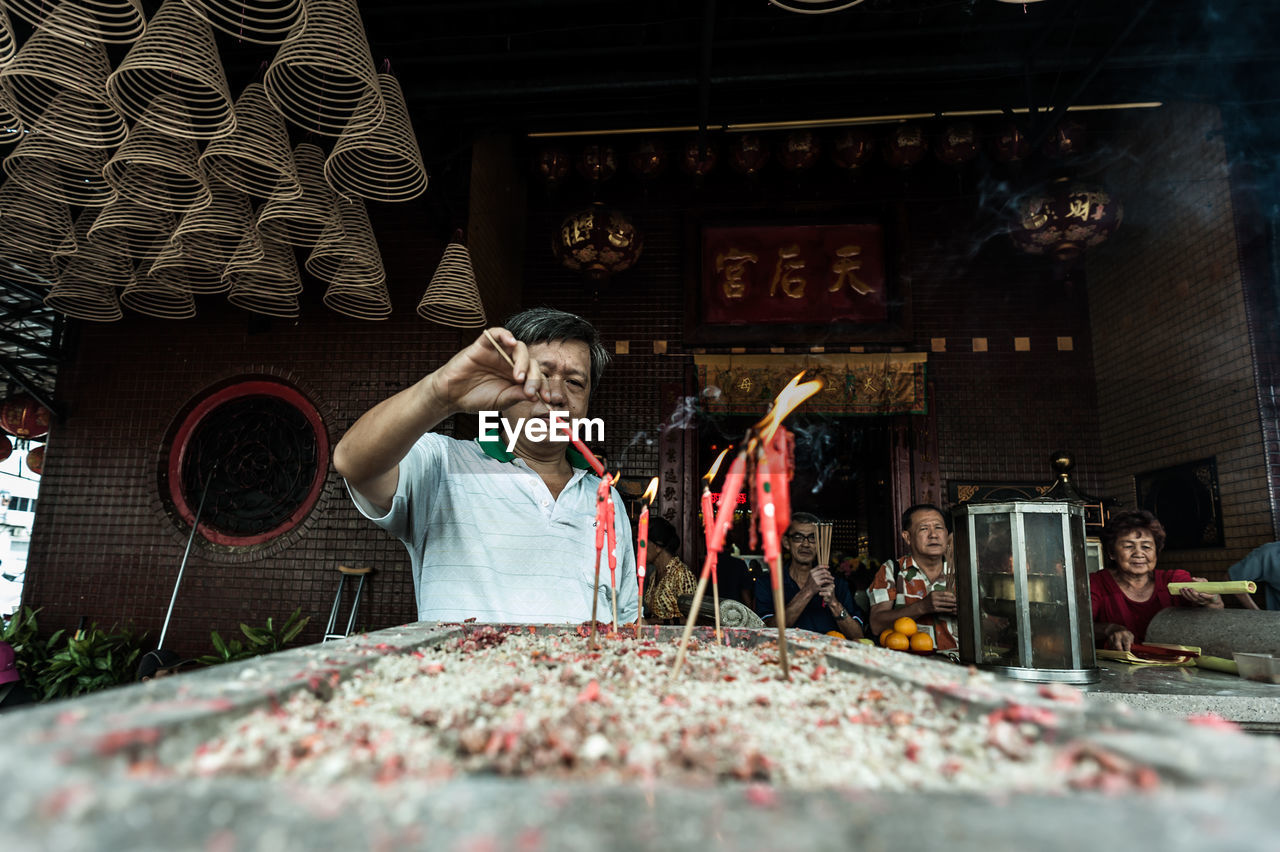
(800, 150)
(698, 159)
(648, 159)
(597, 163)
(6, 447)
(1010, 143)
(748, 154)
(551, 165)
(906, 146)
(1067, 139)
(22, 416)
(35, 460)
(1065, 218)
(958, 143)
(852, 148)
(598, 242)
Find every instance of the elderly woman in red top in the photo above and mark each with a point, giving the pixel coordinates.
(1129, 591)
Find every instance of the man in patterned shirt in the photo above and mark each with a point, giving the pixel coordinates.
(918, 585)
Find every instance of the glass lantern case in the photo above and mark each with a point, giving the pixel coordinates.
(1022, 589)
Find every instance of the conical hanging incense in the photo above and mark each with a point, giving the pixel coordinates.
(382, 164)
(259, 21)
(452, 297)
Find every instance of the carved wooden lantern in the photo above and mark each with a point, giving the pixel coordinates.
(598, 242)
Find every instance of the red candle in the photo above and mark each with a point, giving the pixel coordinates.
(733, 481)
(642, 539)
(588, 455)
(613, 539)
(767, 502)
(779, 456)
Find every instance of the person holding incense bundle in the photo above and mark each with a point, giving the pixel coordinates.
(494, 534)
(1129, 591)
(815, 599)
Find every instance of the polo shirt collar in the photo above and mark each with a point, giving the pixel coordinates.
(492, 446)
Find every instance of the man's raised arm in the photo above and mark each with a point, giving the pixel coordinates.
(478, 378)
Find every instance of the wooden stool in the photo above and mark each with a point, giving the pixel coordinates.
(337, 602)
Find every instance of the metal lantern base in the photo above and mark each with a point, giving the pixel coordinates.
(1046, 675)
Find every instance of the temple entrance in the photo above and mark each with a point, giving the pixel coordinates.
(842, 475)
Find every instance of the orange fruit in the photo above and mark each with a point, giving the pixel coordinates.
(905, 626)
(835, 633)
(884, 634)
(897, 641)
(922, 642)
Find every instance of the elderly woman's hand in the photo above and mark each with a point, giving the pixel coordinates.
(1119, 638)
(1200, 598)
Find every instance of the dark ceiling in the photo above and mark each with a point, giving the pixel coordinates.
(522, 66)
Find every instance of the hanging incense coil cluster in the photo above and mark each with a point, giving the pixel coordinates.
(452, 297)
(161, 222)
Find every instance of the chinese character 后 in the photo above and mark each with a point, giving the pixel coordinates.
(844, 267)
(789, 273)
(731, 266)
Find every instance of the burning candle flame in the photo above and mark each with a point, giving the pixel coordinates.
(715, 468)
(787, 401)
(651, 492)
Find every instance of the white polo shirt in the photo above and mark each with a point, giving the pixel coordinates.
(486, 539)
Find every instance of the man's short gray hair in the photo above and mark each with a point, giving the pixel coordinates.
(804, 518)
(547, 325)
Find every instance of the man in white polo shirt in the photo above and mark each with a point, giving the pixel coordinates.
(492, 534)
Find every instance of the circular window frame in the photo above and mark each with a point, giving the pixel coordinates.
(186, 429)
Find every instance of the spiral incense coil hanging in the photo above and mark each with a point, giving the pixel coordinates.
(106, 21)
(59, 86)
(55, 169)
(270, 285)
(8, 41)
(159, 171)
(383, 164)
(349, 294)
(324, 80)
(261, 22)
(452, 298)
(33, 223)
(215, 234)
(28, 267)
(11, 131)
(80, 237)
(172, 80)
(155, 297)
(300, 221)
(81, 293)
(126, 228)
(255, 159)
(348, 243)
(179, 272)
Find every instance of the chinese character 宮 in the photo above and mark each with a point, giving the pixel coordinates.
(731, 266)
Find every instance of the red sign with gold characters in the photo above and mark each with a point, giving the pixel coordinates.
(793, 274)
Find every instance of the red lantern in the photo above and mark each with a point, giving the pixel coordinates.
(748, 154)
(6, 447)
(1066, 140)
(648, 159)
(958, 144)
(598, 241)
(551, 165)
(800, 151)
(35, 460)
(1011, 143)
(22, 416)
(698, 160)
(1065, 218)
(597, 163)
(906, 146)
(852, 148)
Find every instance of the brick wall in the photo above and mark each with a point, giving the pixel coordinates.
(1175, 376)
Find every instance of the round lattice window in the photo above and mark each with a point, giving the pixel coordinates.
(251, 459)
